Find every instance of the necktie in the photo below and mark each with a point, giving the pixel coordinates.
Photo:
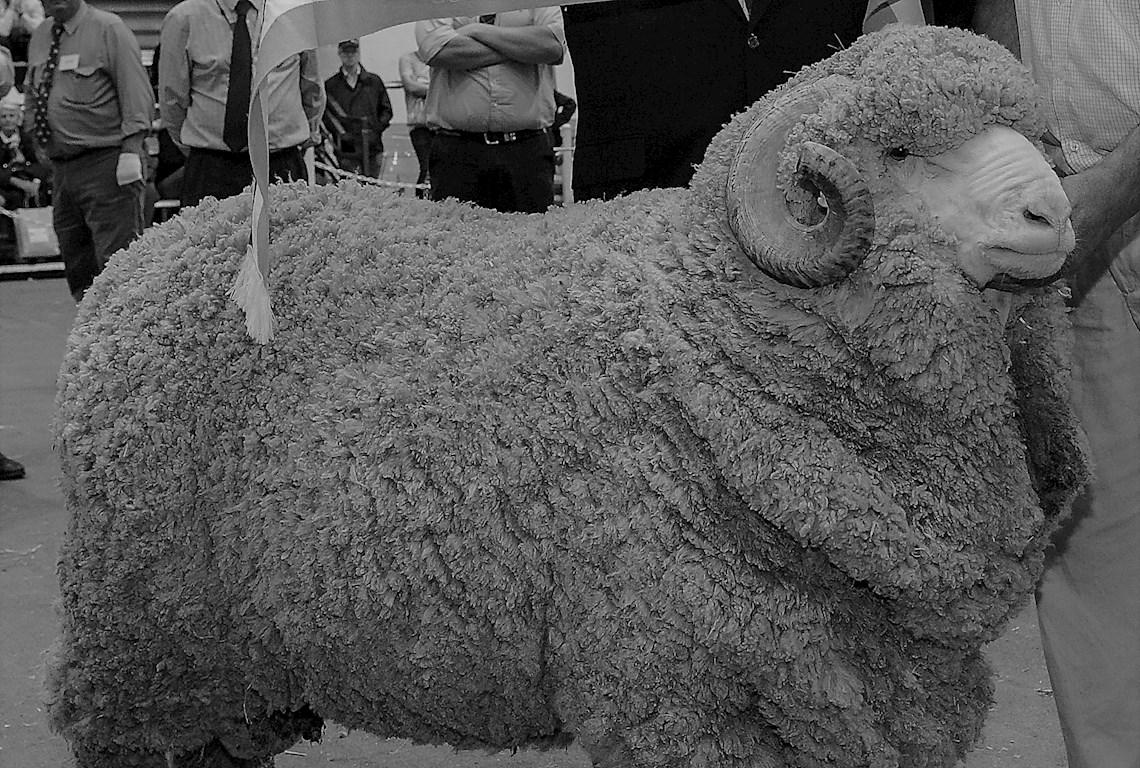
(241, 76)
(40, 116)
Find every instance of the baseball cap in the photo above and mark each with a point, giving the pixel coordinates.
(349, 45)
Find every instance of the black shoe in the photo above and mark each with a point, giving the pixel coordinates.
(10, 469)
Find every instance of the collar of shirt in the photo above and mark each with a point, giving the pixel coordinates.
(229, 8)
(73, 23)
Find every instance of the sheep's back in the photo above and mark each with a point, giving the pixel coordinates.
(450, 400)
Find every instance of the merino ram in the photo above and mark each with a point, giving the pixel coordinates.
(743, 474)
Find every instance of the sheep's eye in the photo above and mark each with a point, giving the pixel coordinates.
(897, 153)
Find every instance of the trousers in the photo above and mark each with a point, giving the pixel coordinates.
(220, 174)
(92, 215)
(1088, 599)
(512, 176)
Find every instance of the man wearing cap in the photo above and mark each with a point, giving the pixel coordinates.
(205, 79)
(357, 112)
(490, 105)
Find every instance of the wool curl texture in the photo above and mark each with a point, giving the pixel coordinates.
(506, 480)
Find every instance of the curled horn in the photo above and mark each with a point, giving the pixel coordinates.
(805, 245)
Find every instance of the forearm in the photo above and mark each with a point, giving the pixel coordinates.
(1103, 198)
(412, 83)
(384, 112)
(173, 79)
(136, 103)
(529, 45)
(134, 142)
(465, 52)
(312, 90)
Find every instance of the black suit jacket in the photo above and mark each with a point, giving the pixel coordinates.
(656, 79)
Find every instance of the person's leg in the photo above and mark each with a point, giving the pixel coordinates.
(529, 168)
(376, 166)
(209, 174)
(349, 163)
(455, 168)
(287, 165)
(114, 213)
(1088, 600)
(76, 247)
(421, 143)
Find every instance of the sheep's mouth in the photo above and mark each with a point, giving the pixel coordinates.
(1017, 270)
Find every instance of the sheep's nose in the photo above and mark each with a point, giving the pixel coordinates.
(1050, 210)
(1050, 227)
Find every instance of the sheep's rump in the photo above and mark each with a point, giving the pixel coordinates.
(489, 486)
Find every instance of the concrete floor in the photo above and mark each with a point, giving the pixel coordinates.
(35, 316)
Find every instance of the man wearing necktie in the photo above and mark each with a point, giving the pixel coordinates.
(205, 72)
(91, 108)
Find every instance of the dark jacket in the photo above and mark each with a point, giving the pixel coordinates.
(349, 110)
(656, 79)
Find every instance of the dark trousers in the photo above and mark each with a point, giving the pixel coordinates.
(512, 176)
(92, 215)
(213, 173)
(421, 143)
(354, 163)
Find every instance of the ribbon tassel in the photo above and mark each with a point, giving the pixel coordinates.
(251, 294)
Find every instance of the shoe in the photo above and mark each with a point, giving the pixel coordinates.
(10, 469)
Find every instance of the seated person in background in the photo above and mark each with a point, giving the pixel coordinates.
(21, 174)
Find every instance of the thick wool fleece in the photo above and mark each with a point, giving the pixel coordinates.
(508, 480)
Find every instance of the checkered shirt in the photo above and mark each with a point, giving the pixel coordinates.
(1085, 55)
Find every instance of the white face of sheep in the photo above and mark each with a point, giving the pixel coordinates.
(1001, 201)
(994, 195)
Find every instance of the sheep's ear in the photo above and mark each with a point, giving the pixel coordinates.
(794, 239)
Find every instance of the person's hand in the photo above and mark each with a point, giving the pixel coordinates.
(1089, 195)
(27, 186)
(129, 168)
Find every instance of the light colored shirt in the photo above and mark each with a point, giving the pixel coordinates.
(1086, 55)
(100, 95)
(415, 76)
(194, 78)
(512, 96)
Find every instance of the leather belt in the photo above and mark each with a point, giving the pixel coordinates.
(491, 137)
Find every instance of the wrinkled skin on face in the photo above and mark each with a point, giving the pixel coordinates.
(999, 198)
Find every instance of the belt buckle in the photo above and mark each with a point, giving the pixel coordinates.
(501, 138)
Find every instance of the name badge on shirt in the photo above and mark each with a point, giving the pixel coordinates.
(68, 62)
